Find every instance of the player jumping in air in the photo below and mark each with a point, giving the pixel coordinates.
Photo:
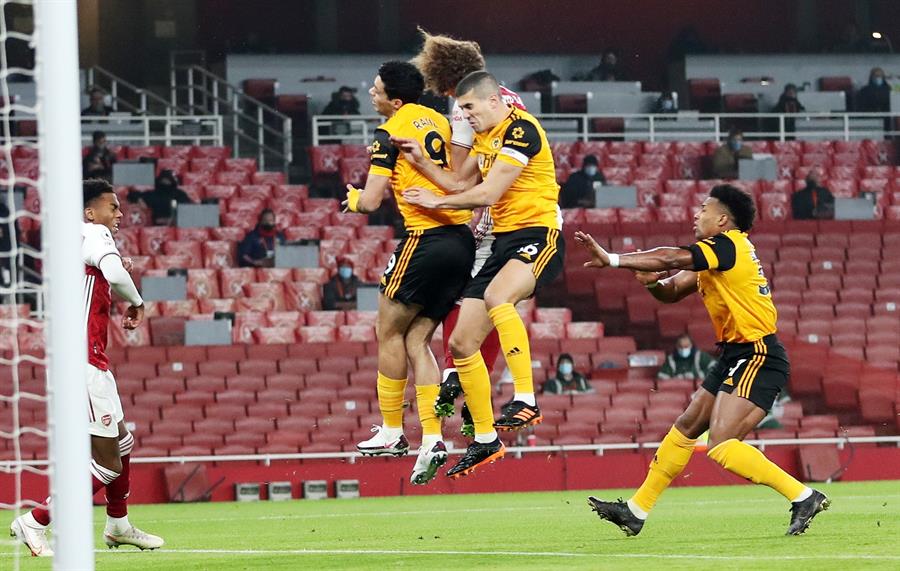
(512, 156)
(426, 274)
(444, 61)
(111, 442)
(741, 388)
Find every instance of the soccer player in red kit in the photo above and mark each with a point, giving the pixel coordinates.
(111, 442)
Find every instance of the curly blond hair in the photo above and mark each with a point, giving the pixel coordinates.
(444, 61)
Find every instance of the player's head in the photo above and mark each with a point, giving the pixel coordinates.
(727, 208)
(397, 83)
(101, 205)
(444, 61)
(478, 95)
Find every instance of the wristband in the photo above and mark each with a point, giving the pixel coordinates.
(353, 199)
(613, 260)
(653, 285)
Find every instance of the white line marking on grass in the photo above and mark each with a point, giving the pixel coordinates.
(561, 554)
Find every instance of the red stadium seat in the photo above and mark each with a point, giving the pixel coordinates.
(325, 159)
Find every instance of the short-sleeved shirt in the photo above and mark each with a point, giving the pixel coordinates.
(432, 131)
(734, 288)
(97, 243)
(532, 199)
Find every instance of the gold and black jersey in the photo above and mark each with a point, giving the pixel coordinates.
(531, 200)
(734, 288)
(432, 130)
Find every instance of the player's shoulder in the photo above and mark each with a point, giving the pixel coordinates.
(96, 231)
(512, 98)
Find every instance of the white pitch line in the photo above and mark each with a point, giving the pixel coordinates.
(560, 554)
(480, 510)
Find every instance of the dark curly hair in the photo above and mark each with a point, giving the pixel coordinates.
(402, 81)
(739, 204)
(444, 61)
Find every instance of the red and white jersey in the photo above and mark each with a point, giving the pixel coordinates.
(97, 243)
(463, 134)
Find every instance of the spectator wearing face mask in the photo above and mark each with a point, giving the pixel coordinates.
(163, 199)
(578, 191)
(97, 106)
(814, 201)
(685, 362)
(607, 70)
(567, 379)
(339, 294)
(257, 249)
(875, 97)
(725, 159)
(98, 163)
(665, 104)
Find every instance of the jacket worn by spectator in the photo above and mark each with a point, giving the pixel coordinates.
(725, 160)
(694, 366)
(559, 385)
(257, 249)
(339, 293)
(812, 203)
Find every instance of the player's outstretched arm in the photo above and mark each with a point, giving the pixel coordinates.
(368, 199)
(655, 260)
(486, 193)
(462, 175)
(668, 289)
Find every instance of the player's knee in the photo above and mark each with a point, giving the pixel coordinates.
(493, 299)
(460, 347)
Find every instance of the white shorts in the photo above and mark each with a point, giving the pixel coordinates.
(104, 407)
(485, 248)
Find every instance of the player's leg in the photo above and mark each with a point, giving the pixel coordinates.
(119, 530)
(512, 284)
(670, 459)
(739, 408)
(432, 452)
(394, 319)
(465, 344)
(450, 389)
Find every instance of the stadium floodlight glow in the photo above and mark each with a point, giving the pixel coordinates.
(883, 37)
(876, 35)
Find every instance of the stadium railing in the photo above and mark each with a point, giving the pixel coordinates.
(514, 451)
(143, 129)
(684, 126)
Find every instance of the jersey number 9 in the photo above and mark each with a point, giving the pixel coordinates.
(436, 149)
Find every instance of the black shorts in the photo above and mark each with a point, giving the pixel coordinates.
(757, 371)
(430, 268)
(542, 248)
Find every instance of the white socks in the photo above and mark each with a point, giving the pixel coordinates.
(117, 525)
(487, 437)
(638, 512)
(527, 398)
(807, 492)
(391, 433)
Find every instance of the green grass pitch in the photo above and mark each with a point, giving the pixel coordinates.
(737, 527)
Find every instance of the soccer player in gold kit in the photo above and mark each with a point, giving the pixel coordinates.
(512, 158)
(722, 266)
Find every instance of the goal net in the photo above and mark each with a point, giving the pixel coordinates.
(44, 447)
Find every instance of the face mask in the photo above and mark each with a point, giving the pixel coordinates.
(565, 368)
(668, 105)
(878, 81)
(590, 170)
(735, 145)
(684, 352)
(345, 272)
(267, 226)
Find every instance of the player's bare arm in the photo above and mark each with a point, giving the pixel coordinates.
(669, 289)
(368, 199)
(655, 260)
(464, 175)
(500, 177)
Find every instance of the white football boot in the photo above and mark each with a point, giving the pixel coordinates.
(32, 534)
(430, 459)
(134, 536)
(382, 445)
